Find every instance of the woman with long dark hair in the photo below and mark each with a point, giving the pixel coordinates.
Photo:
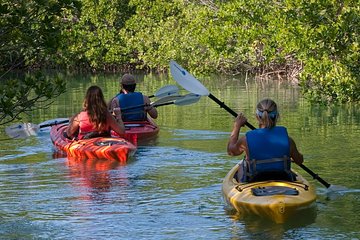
(94, 119)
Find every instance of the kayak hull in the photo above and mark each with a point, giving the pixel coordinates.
(273, 199)
(111, 148)
(140, 131)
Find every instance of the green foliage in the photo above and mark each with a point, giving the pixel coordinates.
(153, 33)
(30, 31)
(29, 37)
(330, 50)
(334, 83)
(312, 43)
(21, 94)
(92, 37)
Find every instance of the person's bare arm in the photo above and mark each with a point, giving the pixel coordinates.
(109, 104)
(152, 111)
(73, 127)
(296, 156)
(115, 108)
(235, 145)
(116, 124)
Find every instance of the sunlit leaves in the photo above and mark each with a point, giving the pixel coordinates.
(29, 38)
(93, 39)
(286, 37)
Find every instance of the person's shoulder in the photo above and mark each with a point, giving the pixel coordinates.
(81, 114)
(76, 117)
(115, 100)
(116, 96)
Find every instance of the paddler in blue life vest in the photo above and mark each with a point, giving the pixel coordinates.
(128, 98)
(268, 149)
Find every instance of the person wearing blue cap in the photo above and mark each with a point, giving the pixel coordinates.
(268, 150)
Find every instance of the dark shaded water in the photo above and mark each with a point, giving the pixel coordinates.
(171, 188)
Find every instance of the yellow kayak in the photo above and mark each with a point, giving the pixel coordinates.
(274, 199)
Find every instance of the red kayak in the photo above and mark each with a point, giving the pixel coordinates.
(111, 148)
(140, 131)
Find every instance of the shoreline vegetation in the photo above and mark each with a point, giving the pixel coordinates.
(315, 45)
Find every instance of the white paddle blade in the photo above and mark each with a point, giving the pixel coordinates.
(166, 99)
(22, 130)
(186, 80)
(187, 99)
(167, 90)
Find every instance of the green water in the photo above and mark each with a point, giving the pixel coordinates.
(171, 189)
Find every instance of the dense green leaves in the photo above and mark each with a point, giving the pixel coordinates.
(92, 38)
(312, 43)
(22, 93)
(30, 33)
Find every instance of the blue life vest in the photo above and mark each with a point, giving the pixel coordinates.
(129, 100)
(269, 152)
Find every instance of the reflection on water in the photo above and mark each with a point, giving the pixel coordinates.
(94, 177)
(171, 188)
(184, 134)
(253, 227)
(335, 191)
(302, 218)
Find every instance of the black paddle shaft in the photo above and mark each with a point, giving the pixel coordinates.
(144, 105)
(54, 123)
(315, 176)
(223, 105)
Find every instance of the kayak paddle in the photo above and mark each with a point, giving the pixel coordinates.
(190, 83)
(166, 90)
(166, 99)
(23, 130)
(167, 93)
(177, 100)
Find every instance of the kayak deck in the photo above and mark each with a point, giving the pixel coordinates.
(274, 199)
(111, 148)
(139, 131)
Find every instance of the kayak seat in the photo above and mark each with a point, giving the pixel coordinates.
(272, 175)
(96, 134)
(243, 174)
